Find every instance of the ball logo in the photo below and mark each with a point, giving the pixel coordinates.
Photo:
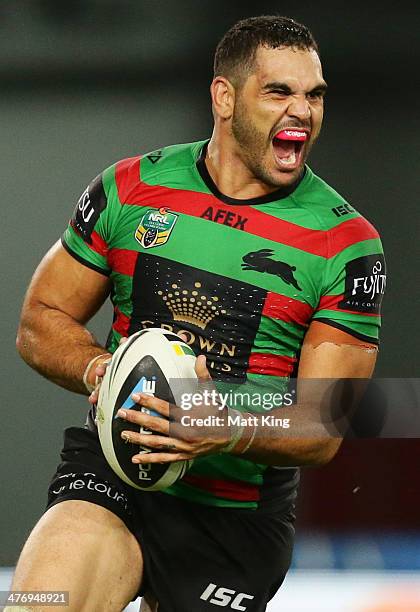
(144, 385)
(365, 284)
(144, 470)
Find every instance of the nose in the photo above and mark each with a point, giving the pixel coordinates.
(299, 107)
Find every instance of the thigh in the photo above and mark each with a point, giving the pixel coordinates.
(198, 558)
(84, 543)
(85, 549)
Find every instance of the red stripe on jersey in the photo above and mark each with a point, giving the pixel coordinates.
(240, 491)
(330, 302)
(350, 232)
(272, 365)
(324, 243)
(195, 204)
(122, 261)
(284, 308)
(127, 178)
(98, 244)
(121, 323)
(287, 233)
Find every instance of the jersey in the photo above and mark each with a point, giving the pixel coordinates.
(242, 279)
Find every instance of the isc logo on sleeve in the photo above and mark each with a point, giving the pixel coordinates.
(223, 597)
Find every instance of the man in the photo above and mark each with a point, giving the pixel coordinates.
(263, 267)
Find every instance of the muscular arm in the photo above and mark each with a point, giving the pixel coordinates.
(317, 422)
(62, 296)
(312, 439)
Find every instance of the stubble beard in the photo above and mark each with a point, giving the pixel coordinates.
(254, 146)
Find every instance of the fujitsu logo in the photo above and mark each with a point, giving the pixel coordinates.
(85, 206)
(371, 285)
(365, 280)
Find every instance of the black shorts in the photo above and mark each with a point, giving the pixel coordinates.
(196, 557)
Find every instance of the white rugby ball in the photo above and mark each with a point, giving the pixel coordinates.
(151, 361)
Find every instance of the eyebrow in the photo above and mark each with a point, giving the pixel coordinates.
(321, 87)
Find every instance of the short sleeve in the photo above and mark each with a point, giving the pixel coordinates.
(353, 285)
(87, 235)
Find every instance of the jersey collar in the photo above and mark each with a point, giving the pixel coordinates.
(279, 194)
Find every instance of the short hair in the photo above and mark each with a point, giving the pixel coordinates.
(235, 53)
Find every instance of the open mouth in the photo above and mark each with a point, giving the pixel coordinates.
(288, 146)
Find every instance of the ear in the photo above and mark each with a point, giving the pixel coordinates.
(223, 97)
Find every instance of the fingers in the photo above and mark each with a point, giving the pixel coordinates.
(201, 370)
(172, 449)
(93, 397)
(160, 457)
(153, 403)
(100, 370)
(145, 420)
(162, 443)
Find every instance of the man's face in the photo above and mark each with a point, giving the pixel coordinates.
(278, 114)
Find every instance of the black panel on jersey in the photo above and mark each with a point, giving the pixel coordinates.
(88, 208)
(233, 310)
(364, 284)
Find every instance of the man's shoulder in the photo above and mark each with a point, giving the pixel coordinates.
(169, 159)
(153, 168)
(332, 210)
(149, 167)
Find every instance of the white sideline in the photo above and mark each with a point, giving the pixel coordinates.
(319, 591)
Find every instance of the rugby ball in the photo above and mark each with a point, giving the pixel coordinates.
(152, 361)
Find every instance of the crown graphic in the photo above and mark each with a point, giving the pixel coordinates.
(191, 306)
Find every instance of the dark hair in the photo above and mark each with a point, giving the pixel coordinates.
(235, 53)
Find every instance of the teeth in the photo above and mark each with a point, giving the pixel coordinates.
(289, 160)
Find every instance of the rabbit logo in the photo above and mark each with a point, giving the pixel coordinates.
(260, 261)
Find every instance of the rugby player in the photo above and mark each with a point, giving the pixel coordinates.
(268, 272)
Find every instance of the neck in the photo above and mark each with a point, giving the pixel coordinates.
(229, 172)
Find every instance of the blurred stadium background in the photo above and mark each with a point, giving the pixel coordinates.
(86, 82)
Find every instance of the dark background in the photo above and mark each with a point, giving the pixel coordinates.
(87, 82)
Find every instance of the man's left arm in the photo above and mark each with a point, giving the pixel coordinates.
(332, 362)
(329, 358)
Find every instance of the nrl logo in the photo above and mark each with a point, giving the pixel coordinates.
(155, 227)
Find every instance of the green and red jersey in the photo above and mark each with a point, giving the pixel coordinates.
(241, 278)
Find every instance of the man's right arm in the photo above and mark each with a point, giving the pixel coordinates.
(52, 338)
